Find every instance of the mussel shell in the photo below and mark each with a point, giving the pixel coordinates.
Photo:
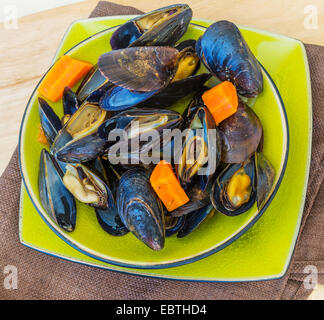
(50, 122)
(193, 220)
(125, 35)
(166, 33)
(226, 55)
(140, 68)
(176, 90)
(140, 209)
(217, 195)
(81, 172)
(110, 221)
(202, 130)
(70, 101)
(78, 141)
(119, 99)
(81, 150)
(147, 120)
(57, 201)
(241, 134)
(93, 86)
(265, 174)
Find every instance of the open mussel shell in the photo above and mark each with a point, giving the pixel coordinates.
(145, 126)
(226, 55)
(93, 86)
(201, 150)
(241, 134)
(50, 122)
(184, 82)
(265, 174)
(193, 220)
(140, 209)
(87, 187)
(161, 27)
(234, 190)
(140, 68)
(78, 141)
(57, 201)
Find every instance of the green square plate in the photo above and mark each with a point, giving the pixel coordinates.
(265, 250)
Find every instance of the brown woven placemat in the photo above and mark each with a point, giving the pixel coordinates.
(42, 276)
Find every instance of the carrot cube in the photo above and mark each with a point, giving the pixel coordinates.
(66, 72)
(221, 101)
(167, 186)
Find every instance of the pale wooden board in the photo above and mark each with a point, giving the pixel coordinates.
(26, 53)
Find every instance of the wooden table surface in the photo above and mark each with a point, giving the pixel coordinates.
(26, 52)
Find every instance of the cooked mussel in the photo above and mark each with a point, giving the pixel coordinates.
(227, 56)
(78, 140)
(87, 187)
(50, 122)
(161, 27)
(234, 190)
(140, 209)
(93, 86)
(239, 185)
(184, 82)
(241, 134)
(137, 126)
(201, 150)
(57, 201)
(140, 68)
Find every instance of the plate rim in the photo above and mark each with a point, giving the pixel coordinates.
(186, 260)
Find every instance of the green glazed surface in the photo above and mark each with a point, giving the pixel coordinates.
(267, 246)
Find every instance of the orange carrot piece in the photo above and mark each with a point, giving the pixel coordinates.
(167, 186)
(221, 101)
(66, 72)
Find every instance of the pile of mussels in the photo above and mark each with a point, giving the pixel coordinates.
(147, 72)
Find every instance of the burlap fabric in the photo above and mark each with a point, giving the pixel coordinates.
(44, 277)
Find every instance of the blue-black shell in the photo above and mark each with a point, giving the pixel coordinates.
(57, 201)
(227, 56)
(50, 122)
(166, 33)
(140, 209)
(217, 196)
